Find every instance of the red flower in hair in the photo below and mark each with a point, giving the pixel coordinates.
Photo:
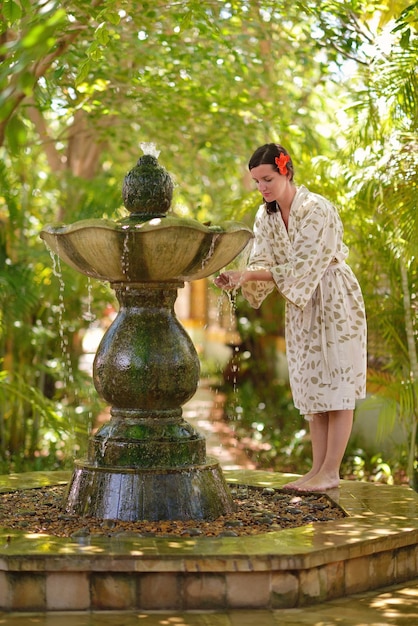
(281, 163)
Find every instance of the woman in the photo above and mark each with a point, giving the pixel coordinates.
(298, 249)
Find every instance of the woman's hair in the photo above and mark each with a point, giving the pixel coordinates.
(266, 155)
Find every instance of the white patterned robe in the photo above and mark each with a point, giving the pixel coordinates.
(325, 317)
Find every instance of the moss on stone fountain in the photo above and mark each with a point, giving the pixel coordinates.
(147, 189)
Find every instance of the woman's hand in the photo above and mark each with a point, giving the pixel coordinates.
(229, 280)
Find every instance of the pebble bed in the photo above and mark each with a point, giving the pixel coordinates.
(257, 511)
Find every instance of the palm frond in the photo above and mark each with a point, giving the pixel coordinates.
(17, 387)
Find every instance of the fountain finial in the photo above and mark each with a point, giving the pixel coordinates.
(147, 188)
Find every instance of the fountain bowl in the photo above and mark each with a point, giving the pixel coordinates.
(160, 249)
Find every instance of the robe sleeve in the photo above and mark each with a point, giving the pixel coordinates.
(314, 247)
(260, 258)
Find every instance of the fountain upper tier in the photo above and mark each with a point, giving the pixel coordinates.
(149, 245)
(160, 249)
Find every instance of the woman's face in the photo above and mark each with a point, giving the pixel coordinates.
(270, 183)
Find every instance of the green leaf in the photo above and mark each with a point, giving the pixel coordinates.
(12, 11)
(57, 18)
(34, 36)
(16, 134)
(59, 72)
(83, 72)
(406, 35)
(112, 16)
(96, 54)
(26, 82)
(101, 34)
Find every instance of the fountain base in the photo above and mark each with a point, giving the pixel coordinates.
(197, 492)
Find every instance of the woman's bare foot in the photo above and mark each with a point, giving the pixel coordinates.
(319, 482)
(295, 484)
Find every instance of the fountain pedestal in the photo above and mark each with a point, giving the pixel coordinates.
(147, 462)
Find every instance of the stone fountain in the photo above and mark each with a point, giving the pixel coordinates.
(147, 462)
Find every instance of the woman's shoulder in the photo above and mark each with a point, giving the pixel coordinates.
(306, 196)
(306, 201)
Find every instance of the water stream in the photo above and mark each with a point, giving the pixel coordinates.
(125, 253)
(88, 315)
(208, 256)
(68, 378)
(57, 271)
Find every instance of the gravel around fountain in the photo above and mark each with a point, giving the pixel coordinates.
(257, 511)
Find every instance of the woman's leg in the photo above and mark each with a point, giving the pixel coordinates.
(318, 428)
(339, 425)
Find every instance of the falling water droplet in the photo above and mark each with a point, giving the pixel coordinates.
(125, 254)
(89, 315)
(210, 252)
(103, 446)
